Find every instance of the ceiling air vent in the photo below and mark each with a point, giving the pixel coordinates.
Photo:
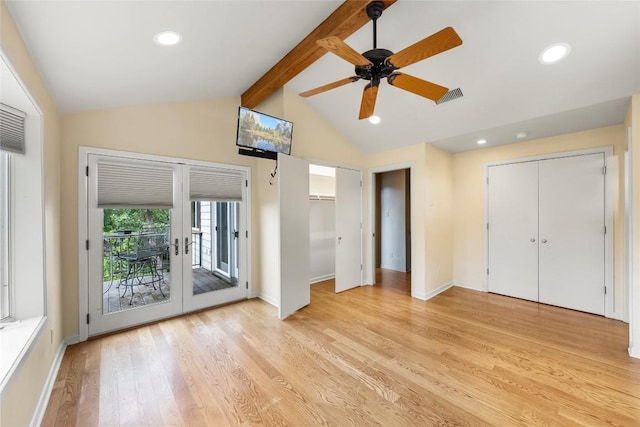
(450, 96)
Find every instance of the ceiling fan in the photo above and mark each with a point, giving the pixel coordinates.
(377, 64)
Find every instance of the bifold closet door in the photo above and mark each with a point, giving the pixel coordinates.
(513, 230)
(572, 239)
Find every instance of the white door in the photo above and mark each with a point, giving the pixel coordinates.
(513, 230)
(134, 275)
(572, 238)
(142, 240)
(348, 229)
(293, 187)
(221, 194)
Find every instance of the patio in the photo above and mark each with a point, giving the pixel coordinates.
(145, 294)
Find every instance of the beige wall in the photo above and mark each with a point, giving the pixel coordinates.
(468, 221)
(20, 397)
(200, 130)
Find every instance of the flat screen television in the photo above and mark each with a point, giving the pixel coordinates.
(262, 135)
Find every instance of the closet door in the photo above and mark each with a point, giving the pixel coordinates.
(572, 240)
(293, 184)
(348, 229)
(513, 230)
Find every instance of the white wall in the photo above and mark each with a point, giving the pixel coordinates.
(322, 228)
(393, 220)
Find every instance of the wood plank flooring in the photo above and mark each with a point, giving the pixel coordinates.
(368, 356)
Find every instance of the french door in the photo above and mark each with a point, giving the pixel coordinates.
(152, 249)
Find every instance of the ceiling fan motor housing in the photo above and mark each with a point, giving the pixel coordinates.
(380, 68)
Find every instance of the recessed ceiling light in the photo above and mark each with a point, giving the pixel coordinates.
(482, 141)
(167, 38)
(554, 53)
(374, 120)
(521, 135)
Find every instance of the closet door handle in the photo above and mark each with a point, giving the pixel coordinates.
(532, 240)
(544, 240)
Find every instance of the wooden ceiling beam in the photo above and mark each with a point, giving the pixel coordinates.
(349, 17)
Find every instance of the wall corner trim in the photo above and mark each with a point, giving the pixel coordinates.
(269, 300)
(478, 288)
(634, 351)
(433, 293)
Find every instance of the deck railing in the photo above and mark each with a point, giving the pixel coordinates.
(115, 244)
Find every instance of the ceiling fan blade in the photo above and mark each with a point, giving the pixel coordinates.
(434, 44)
(329, 86)
(418, 86)
(368, 101)
(335, 45)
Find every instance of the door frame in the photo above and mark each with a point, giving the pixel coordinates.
(612, 168)
(370, 270)
(83, 220)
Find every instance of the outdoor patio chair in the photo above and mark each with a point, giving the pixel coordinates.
(143, 265)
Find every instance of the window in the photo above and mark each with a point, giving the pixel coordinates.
(22, 223)
(195, 215)
(5, 289)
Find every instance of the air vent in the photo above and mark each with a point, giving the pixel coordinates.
(450, 96)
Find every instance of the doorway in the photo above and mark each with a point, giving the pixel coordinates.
(335, 226)
(163, 238)
(391, 220)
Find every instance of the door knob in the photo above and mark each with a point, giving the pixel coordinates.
(339, 239)
(544, 240)
(532, 240)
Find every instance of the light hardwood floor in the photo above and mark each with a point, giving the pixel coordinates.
(368, 356)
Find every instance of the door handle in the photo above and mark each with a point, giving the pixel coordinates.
(176, 246)
(235, 234)
(339, 239)
(532, 240)
(544, 240)
(186, 246)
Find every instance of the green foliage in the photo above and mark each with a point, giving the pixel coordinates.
(134, 219)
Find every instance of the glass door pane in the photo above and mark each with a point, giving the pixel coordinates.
(134, 274)
(216, 263)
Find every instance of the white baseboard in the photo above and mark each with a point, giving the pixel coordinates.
(41, 407)
(433, 293)
(393, 268)
(269, 300)
(468, 286)
(322, 278)
(616, 316)
(634, 352)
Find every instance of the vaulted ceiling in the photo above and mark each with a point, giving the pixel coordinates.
(100, 54)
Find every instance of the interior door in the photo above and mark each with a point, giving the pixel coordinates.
(572, 239)
(513, 230)
(220, 194)
(293, 187)
(348, 229)
(134, 273)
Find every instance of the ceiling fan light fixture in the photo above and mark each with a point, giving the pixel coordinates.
(554, 53)
(167, 38)
(481, 141)
(374, 120)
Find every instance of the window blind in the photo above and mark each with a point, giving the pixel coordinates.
(11, 129)
(139, 185)
(220, 186)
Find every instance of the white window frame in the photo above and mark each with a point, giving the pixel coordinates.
(26, 231)
(6, 294)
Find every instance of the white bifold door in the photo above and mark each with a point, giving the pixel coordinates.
(546, 231)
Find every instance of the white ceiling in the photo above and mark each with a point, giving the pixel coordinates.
(100, 54)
